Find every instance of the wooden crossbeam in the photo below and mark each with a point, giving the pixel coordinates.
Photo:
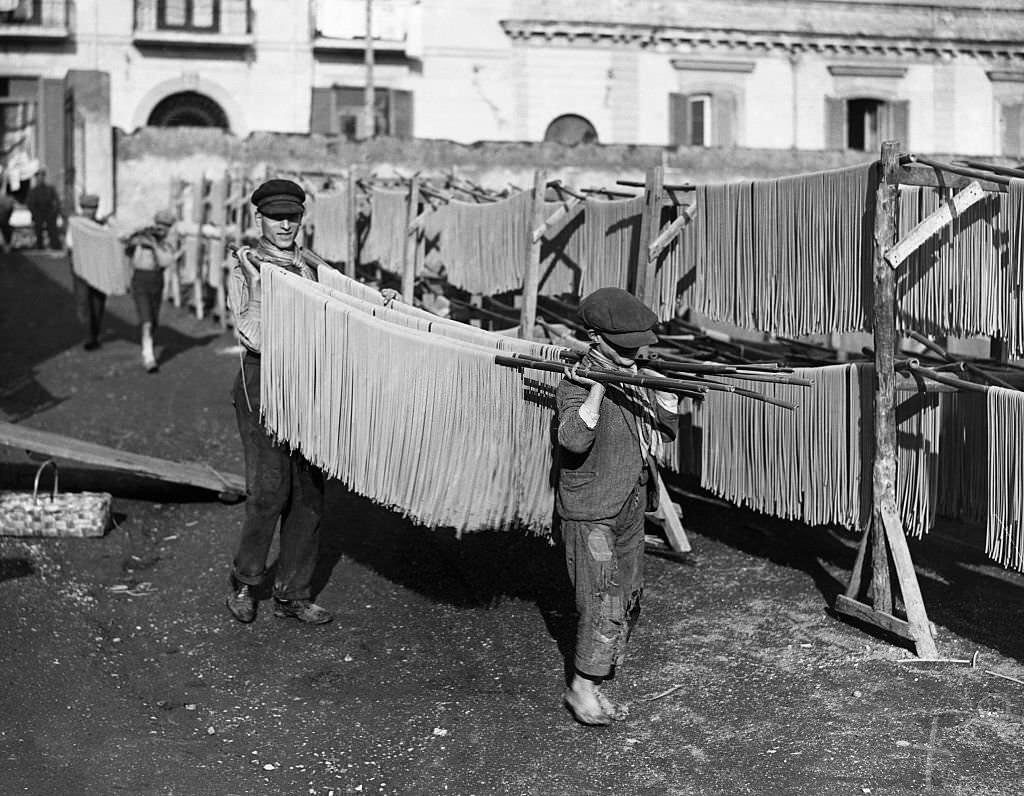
(561, 216)
(935, 221)
(669, 233)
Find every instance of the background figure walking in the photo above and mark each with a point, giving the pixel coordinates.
(90, 302)
(151, 250)
(43, 203)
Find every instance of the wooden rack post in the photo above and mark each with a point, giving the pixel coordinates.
(216, 248)
(650, 226)
(194, 245)
(351, 217)
(885, 534)
(531, 275)
(408, 249)
(180, 205)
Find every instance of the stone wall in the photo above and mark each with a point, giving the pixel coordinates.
(149, 158)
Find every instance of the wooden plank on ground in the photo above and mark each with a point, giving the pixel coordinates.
(227, 485)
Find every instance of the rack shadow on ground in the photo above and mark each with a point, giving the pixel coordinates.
(963, 590)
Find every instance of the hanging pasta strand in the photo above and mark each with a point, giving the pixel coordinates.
(458, 442)
(1004, 540)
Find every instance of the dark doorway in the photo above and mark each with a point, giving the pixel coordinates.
(863, 127)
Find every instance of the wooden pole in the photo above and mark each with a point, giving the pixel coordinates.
(408, 256)
(888, 542)
(531, 275)
(650, 225)
(883, 474)
(351, 217)
(369, 115)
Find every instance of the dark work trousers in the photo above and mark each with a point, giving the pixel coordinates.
(89, 304)
(280, 485)
(49, 224)
(605, 560)
(148, 293)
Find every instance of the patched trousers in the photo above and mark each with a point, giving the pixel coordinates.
(605, 560)
(281, 485)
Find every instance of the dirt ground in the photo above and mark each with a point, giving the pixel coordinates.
(122, 673)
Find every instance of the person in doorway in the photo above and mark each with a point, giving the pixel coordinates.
(43, 203)
(281, 484)
(151, 250)
(90, 302)
(606, 435)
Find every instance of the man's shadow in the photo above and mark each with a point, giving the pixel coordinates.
(478, 570)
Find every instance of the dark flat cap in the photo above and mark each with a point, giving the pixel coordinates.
(279, 196)
(89, 200)
(165, 218)
(619, 316)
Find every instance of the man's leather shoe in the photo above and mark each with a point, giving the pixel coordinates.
(242, 603)
(305, 611)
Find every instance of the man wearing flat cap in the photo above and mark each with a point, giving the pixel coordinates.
(151, 251)
(281, 484)
(90, 301)
(607, 436)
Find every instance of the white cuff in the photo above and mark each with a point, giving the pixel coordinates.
(589, 417)
(668, 401)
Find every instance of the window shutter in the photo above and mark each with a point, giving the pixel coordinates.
(1010, 131)
(678, 120)
(349, 97)
(51, 124)
(835, 123)
(401, 114)
(323, 117)
(900, 128)
(723, 119)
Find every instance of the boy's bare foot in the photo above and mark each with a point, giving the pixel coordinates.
(585, 707)
(617, 711)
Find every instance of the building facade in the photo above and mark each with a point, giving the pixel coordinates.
(939, 75)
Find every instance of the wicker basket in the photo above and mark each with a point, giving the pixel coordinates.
(68, 514)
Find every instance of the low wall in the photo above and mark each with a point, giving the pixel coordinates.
(149, 158)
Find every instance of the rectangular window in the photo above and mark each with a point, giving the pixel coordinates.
(200, 15)
(23, 12)
(340, 110)
(700, 120)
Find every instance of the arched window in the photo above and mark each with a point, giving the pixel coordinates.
(188, 109)
(570, 130)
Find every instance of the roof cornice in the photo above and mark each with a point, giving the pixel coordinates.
(680, 39)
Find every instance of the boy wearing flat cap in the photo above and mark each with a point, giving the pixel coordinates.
(607, 435)
(151, 250)
(280, 483)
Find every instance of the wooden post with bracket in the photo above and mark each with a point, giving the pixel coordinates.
(885, 536)
(409, 247)
(650, 226)
(531, 274)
